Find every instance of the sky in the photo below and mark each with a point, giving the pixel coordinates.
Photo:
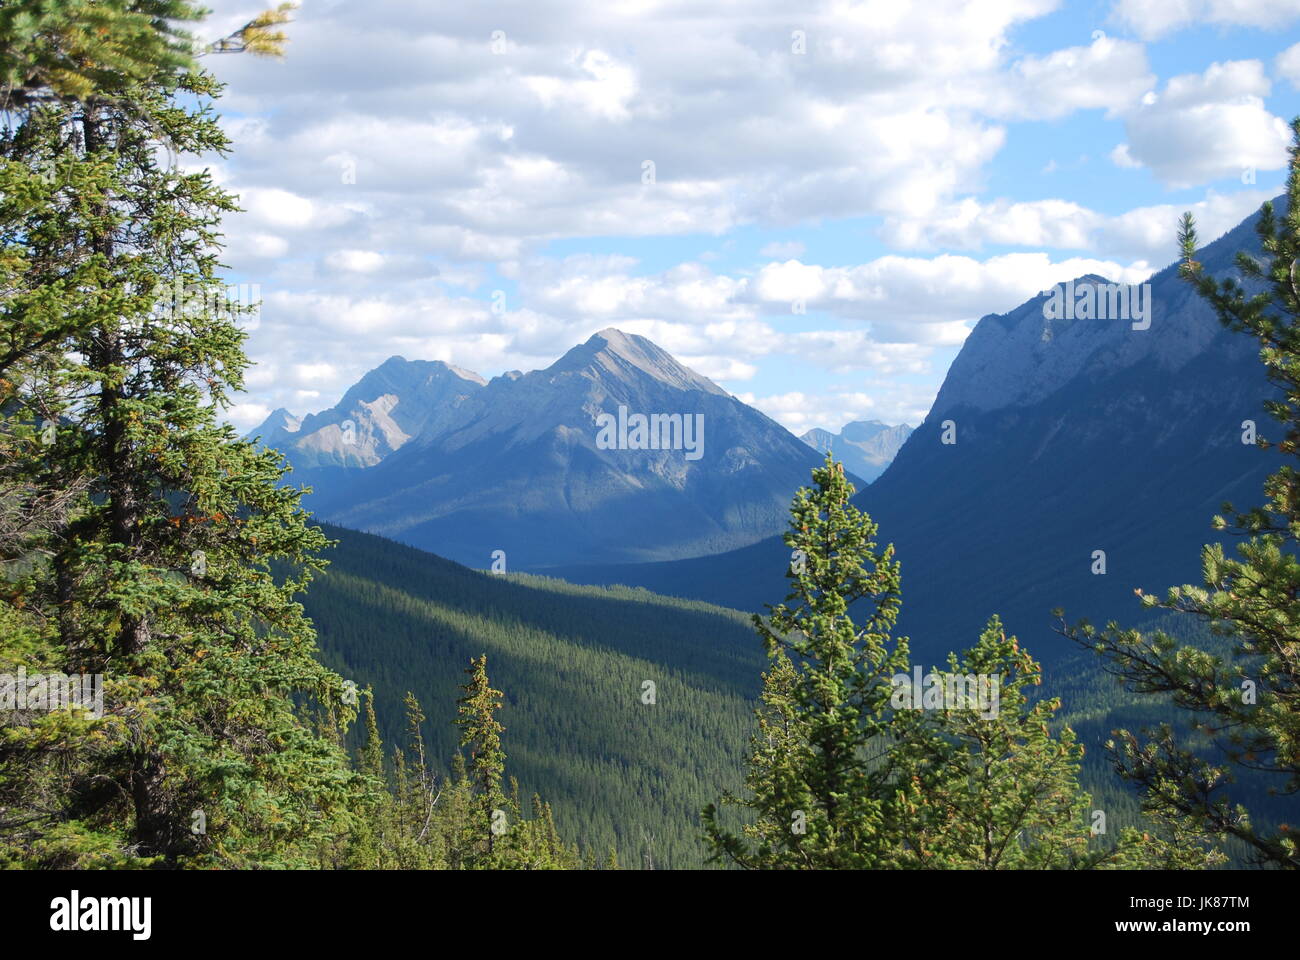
(811, 207)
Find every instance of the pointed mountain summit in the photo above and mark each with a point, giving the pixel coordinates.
(614, 356)
(278, 426)
(616, 452)
(382, 411)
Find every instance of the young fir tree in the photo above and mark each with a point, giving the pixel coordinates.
(991, 787)
(366, 846)
(821, 780)
(159, 577)
(481, 732)
(1247, 702)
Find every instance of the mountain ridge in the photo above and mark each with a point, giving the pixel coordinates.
(865, 447)
(518, 465)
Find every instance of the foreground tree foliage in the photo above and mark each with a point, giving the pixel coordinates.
(1243, 702)
(821, 778)
(847, 771)
(999, 790)
(142, 541)
(157, 574)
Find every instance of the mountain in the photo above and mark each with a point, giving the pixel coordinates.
(382, 411)
(1071, 436)
(614, 453)
(865, 447)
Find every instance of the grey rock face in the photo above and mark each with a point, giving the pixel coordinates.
(392, 403)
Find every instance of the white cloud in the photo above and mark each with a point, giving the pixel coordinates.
(800, 412)
(1206, 126)
(1288, 65)
(279, 208)
(313, 372)
(1152, 19)
(600, 85)
(253, 246)
(1144, 234)
(1121, 156)
(605, 288)
(246, 416)
(1108, 74)
(355, 261)
(925, 301)
(969, 224)
(394, 126)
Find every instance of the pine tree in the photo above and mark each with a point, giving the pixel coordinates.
(159, 574)
(990, 786)
(80, 49)
(847, 771)
(778, 754)
(428, 822)
(821, 784)
(367, 842)
(1245, 700)
(481, 732)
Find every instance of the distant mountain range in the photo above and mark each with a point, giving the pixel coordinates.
(1071, 436)
(865, 447)
(615, 453)
(387, 407)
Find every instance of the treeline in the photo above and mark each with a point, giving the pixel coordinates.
(464, 821)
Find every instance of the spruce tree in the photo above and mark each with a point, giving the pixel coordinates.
(821, 779)
(988, 785)
(173, 571)
(480, 731)
(848, 771)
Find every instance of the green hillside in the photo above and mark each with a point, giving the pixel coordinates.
(572, 662)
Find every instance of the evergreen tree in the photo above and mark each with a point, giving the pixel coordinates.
(367, 846)
(158, 575)
(1008, 793)
(80, 49)
(428, 822)
(778, 755)
(481, 732)
(991, 787)
(822, 780)
(1245, 699)
(847, 770)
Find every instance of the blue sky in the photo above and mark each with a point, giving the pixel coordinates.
(838, 194)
